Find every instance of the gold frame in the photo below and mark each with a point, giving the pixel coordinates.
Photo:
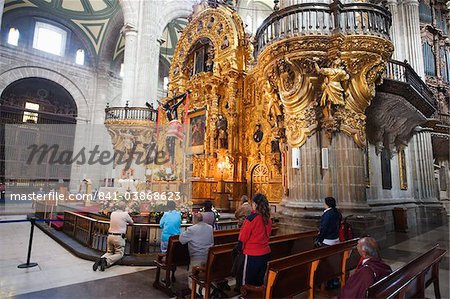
(402, 170)
(198, 149)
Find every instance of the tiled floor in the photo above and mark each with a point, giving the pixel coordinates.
(56, 267)
(61, 275)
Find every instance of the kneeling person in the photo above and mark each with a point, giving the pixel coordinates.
(116, 238)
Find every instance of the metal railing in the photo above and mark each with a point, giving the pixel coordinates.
(323, 19)
(142, 239)
(130, 113)
(403, 72)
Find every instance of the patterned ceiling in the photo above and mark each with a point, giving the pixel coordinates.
(171, 34)
(91, 16)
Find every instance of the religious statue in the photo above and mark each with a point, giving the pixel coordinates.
(210, 23)
(259, 134)
(175, 128)
(333, 91)
(221, 136)
(210, 58)
(225, 43)
(273, 107)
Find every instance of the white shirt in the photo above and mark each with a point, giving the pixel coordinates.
(119, 220)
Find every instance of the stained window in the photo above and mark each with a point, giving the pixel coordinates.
(79, 59)
(13, 36)
(122, 72)
(49, 38)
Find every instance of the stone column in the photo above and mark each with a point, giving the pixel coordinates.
(146, 84)
(396, 31)
(129, 63)
(2, 4)
(413, 41)
(423, 170)
(344, 178)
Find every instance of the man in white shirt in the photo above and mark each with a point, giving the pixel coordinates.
(116, 238)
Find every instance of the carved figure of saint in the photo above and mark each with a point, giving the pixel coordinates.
(210, 23)
(333, 91)
(225, 43)
(221, 135)
(210, 58)
(273, 107)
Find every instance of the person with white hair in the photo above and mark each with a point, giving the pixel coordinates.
(370, 269)
(116, 238)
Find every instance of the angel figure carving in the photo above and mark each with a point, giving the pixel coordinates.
(273, 106)
(332, 86)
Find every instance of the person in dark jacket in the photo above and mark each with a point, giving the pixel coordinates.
(254, 236)
(329, 224)
(370, 269)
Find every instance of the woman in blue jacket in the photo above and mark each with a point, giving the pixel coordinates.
(329, 224)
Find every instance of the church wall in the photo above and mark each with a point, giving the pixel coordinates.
(81, 82)
(419, 198)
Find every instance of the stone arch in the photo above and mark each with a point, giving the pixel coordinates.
(178, 9)
(12, 75)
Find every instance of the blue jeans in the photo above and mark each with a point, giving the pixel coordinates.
(164, 245)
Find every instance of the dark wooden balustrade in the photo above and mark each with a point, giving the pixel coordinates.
(130, 113)
(401, 79)
(142, 239)
(323, 19)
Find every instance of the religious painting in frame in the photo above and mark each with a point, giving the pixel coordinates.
(196, 132)
(402, 170)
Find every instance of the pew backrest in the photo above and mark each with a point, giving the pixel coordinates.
(178, 254)
(292, 275)
(411, 279)
(220, 260)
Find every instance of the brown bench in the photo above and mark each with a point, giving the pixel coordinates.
(295, 274)
(178, 255)
(411, 280)
(220, 260)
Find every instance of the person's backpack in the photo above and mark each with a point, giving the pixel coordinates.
(345, 230)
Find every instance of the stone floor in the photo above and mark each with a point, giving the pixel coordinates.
(62, 275)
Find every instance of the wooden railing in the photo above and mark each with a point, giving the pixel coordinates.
(130, 113)
(323, 19)
(142, 239)
(403, 72)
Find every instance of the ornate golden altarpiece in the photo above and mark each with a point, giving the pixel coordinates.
(230, 162)
(305, 91)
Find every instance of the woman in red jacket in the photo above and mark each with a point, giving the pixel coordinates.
(254, 236)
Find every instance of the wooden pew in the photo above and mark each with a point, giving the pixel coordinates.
(295, 274)
(220, 260)
(411, 280)
(178, 255)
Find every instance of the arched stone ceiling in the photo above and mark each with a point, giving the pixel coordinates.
(91, 16)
